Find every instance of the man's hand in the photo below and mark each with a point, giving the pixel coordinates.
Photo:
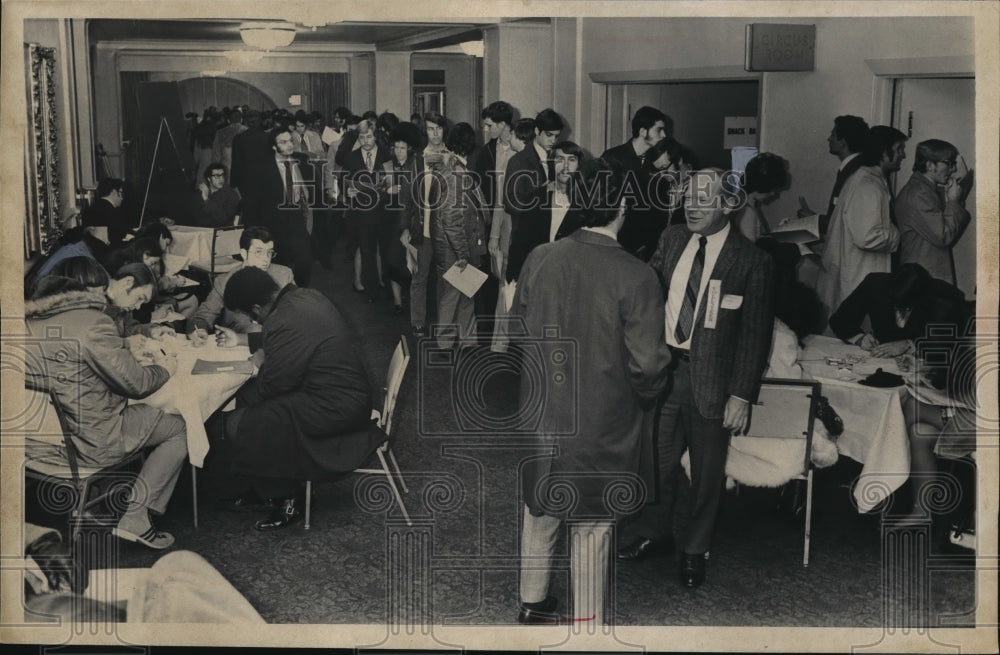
(199, 337)
(867, 342)
(393, 189)
(160, 331)
(226, 338)
(953, 191)
(461, 263)
(168, 362)
(891, 349)
(204, 190)
(257, 359)
(736, 418)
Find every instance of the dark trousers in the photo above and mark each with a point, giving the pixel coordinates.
(682, 427)
(223, 438)
(292, 241)
(367, 232)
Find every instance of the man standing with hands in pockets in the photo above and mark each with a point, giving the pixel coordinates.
(718, 326)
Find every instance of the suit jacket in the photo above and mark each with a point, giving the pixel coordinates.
(250, 153)
(526, 200)
(729, 359)
(308, 412)
(356, 174)
(929, 225)
(271, 209)
(608, 307)
(871, 299)
(102, 213)
(483, 164)
(642, 226)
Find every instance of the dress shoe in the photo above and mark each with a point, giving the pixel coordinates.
(246, 501)
(692, 572)
(285, 512)
(540, 613)
(642, 548)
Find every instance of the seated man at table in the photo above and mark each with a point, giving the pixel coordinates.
(219, 201)
(93, 373)
(257, 251)
(307, 412)
(887, 301)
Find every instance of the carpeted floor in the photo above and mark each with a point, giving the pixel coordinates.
(458, 563)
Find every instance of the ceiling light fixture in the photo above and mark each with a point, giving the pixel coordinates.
(267, 36)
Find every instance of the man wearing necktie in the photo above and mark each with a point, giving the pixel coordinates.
(719, 317)
(285, 201)
(361, 167)
(846, 141)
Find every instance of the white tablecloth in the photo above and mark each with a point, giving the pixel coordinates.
(874, 426)
(196, 397)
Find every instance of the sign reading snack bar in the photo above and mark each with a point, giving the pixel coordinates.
(780, 47)
(740, 131)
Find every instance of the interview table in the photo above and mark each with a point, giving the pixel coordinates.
(196, 397)
(874, 426)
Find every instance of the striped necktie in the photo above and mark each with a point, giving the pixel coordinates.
(686, 317)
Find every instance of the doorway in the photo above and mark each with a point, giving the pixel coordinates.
(698, 110)
(942, 108)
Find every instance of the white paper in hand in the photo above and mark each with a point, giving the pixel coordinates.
(467, 281)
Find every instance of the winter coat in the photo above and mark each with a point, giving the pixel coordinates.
(77, 352)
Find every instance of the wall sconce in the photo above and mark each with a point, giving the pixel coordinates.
(267, 36)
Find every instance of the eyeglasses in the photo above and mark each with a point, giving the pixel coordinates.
(260, 252)
(217, 175)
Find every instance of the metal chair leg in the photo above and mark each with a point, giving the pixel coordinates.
(399, 473)
(309, 485)
(809, 509)
(194, 493)
(395, 489)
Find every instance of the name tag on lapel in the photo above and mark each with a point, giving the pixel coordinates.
(712, 298)
(732, 301)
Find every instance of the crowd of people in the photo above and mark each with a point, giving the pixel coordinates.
(665, 274)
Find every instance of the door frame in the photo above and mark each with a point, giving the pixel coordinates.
(887, 71)
(599, 83)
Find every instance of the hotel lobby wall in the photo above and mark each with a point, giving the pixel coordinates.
(797, 109)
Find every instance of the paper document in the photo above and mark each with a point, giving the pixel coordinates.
(797, 230)
(330, 135)
(467, 281)
(203, 367)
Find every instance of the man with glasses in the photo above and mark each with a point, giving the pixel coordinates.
(219, 201)
(257, 251)
(930, 209)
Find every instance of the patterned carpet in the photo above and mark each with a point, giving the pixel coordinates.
(360, 562)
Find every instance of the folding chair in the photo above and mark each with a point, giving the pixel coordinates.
(58, 464)
(225, 247)
(786, 409)
(54, 464)
(393, 380)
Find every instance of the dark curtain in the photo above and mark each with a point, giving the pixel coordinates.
(327, 91)
(131, 122)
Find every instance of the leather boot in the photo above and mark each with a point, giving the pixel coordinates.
(286, 511)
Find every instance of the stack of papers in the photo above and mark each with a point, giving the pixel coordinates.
(467, 281)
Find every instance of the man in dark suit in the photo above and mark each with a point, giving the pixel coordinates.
(649, 127)
(609, 305)
(251, 149)
(526, 189)
(107, 210)
(282, 199)
(306, 414)
(361, 175)
(719, 317)
(846, 141)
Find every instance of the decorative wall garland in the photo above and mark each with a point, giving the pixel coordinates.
(42, 225)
